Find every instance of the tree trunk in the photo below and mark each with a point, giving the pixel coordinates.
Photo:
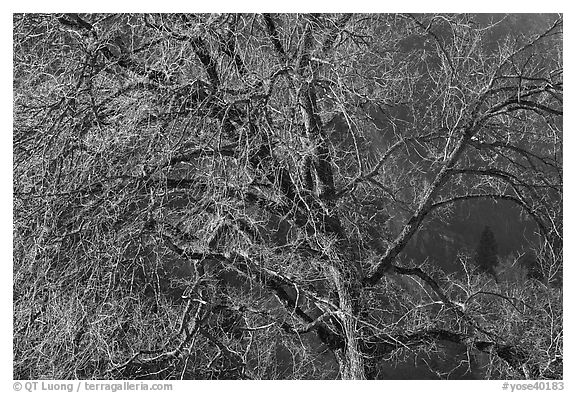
(350, 359)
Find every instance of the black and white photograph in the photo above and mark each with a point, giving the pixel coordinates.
(288, 196)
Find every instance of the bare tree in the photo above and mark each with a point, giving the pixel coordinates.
(193, 190)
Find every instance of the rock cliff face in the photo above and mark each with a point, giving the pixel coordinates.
(446, 235)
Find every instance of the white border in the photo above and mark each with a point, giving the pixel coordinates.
(514, 6)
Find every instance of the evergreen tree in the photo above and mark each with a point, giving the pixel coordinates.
(487, 252)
